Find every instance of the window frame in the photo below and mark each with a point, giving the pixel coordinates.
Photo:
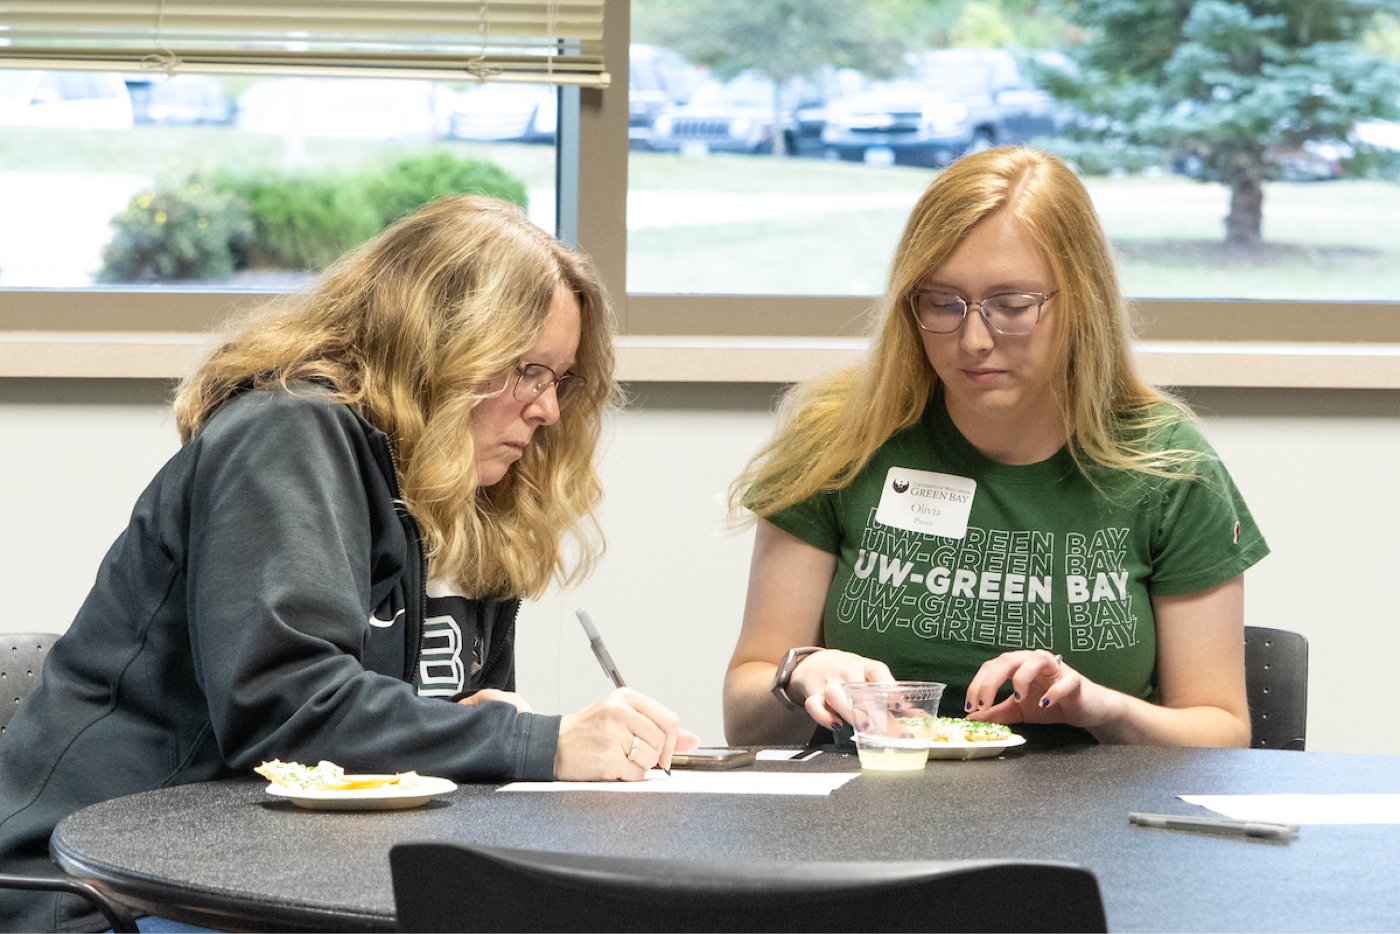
(161, 332)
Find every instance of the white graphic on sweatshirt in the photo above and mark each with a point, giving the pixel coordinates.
(993, 587)
(440, 669)
(378, 623)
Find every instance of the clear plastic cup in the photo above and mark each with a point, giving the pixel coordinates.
(894, 722)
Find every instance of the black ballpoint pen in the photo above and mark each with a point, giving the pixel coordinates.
(1221, 825)
(600, 652)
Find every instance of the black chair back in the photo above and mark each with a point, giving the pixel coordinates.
(21, 669)
(21, 664)
(451, 887)
(1276, 680)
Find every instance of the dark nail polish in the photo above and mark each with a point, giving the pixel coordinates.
(967, 705)
(1045, 702)
(1017, 695)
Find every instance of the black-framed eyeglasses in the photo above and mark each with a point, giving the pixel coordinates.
(533, 380)
(1014, 314)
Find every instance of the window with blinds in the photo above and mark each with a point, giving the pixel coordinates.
(531, 41)
(244, 144)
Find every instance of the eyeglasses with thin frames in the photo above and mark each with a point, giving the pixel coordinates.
(1013, 314)
(533, 380)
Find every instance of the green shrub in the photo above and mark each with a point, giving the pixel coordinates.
(302, 220)
(187, 230)
(410, 182)
(206, 228)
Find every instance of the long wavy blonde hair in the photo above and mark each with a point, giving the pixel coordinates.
(830, 428)
(414, 329)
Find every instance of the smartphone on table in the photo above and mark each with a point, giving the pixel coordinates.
(713, 757)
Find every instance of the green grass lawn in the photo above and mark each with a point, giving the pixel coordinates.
(752, 224)
(1334, 240)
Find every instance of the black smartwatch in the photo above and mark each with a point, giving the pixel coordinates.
(784, 675)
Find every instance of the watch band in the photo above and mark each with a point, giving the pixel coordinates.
(784, 674)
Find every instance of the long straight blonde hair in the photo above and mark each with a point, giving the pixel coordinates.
(830, 428)
(414, 329)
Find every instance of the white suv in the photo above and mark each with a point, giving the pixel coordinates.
(88, 100)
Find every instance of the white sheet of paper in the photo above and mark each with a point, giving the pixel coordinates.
(1304, 809)
(685, 781)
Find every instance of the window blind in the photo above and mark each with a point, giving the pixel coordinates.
(539, 41)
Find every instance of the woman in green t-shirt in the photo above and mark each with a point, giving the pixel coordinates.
(996, 500)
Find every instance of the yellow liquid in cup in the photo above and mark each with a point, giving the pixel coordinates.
(885, 754)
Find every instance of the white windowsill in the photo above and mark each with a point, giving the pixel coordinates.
(168, 355)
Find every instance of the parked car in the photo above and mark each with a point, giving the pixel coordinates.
(179, 99)
(1310, 161)
(1313, 161)
(346, 108)
(657, 78)
(499, 112)
(955, 101)
(741, 115)
(89, 100)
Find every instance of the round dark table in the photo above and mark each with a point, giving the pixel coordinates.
(229, 855)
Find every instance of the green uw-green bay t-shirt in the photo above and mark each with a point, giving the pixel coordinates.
(947, 558)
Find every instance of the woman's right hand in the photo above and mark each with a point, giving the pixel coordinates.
(818, 679)
(788, 584)
(621, 737)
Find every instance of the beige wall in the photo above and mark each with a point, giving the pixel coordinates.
(1317, 467)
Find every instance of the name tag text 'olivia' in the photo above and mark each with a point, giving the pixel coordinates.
(926, 502)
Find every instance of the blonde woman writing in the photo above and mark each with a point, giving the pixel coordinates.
(995, 500)
(372, 475)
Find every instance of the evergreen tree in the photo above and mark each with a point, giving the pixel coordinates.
(1226, 81)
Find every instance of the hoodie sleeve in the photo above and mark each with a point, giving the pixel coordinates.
(281, 536)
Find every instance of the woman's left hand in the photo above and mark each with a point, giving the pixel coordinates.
(1043, 690)
(1199, 675)
(504, 697)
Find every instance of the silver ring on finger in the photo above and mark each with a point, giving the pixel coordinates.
(632, 752)
(1059, 662)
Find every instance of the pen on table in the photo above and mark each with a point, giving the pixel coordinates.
(600, 652)
(1221, 825)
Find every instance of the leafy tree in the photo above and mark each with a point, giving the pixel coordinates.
(1228, 80)
(782, 40)
(976, 24)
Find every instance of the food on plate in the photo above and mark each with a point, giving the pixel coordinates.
(953, 730)
(956, 729)
(327, 776)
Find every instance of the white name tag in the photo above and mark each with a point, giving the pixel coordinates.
(927, 502)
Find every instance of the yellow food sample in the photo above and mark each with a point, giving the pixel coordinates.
(327, 776)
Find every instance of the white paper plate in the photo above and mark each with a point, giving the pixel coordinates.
(973, 749)
(388, 798)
